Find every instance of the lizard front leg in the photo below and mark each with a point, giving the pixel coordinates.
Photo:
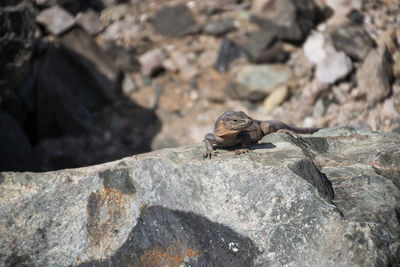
(209, 140)
(246, 142)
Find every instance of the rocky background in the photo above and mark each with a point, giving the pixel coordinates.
(86, 82)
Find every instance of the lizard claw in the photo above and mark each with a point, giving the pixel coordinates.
(242, 151)
(209, 153)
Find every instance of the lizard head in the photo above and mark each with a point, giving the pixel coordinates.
(232, 122)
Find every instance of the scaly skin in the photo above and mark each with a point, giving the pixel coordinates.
(235, 127)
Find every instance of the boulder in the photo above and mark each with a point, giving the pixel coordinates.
(329, 199)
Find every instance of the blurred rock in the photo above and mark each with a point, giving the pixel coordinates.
(317, 47)
(152, 61)
(114, 13)
(388, 110)
(374, 76)
(97, 64)
(396, 66)
(15, 149)
(90, 21)
(207, 58)
(331, 65)
(128, 85)
(292, 20)
(56, 20)
(343, 7)
(255, 82)
(319, 108)
(17, 28)
(276, 97)
(335, 67)
(126, 29)
(353, 39)
(123, 60)
(219, 28)
(169, 65)
(186, 70)
(228, 52)
(262, 48)
(174, 21)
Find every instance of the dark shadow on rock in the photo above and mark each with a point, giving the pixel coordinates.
(72, 109)
(262, 146)
(164, 237)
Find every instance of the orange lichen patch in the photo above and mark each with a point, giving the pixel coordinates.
(171, 256)
(104, 210)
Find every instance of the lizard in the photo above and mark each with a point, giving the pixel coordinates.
(235, 127)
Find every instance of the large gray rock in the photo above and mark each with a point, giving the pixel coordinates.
(17, 27)
(329, 199)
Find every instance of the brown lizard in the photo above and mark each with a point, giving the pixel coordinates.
(235, 127)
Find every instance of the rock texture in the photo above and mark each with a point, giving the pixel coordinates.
(329, 199)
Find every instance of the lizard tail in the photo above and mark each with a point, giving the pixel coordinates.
(276, 125)
(303, 130)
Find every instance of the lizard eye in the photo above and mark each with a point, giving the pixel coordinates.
(235, 120)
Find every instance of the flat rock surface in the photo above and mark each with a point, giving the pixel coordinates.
(327, 199)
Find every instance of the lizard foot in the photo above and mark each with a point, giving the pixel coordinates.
(209, 153)
(242, 151)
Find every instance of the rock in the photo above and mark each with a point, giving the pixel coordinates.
(291, 20)
(125, 29)
(56, 20)
(273, 206)
(90, 21)
(219, 28)
(152, 61)
(344, 7)
(396, 66)
(228, 52)
(317, 47)
(276, 97)
(335, 67)
(186, 70)
(331, 64)
(255, 82)
(374, 76)
(319, 108)
(174, 21)
(123, 60)
(262, 48)
(17, 30)
(354, 40)
(207, 58)
(15, 149)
